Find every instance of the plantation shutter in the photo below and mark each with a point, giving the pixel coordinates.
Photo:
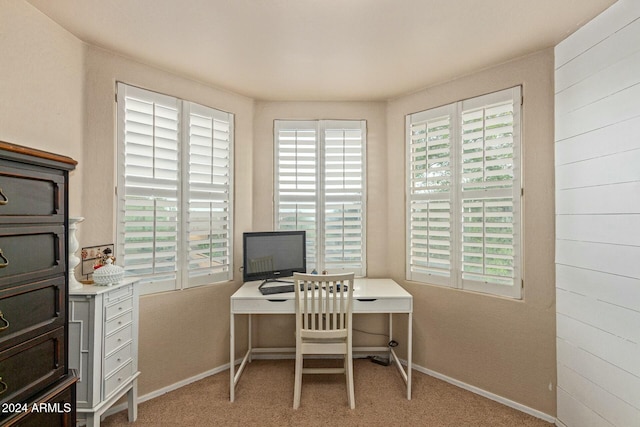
(210, 164)
(148, 232)
(463, 194)
(320, 188)
(175, 187)
(490, 193)
(344, 201)
(430, 192)
(297, 181)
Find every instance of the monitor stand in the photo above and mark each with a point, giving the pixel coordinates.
(275, 281)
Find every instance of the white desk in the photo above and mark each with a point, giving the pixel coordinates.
(369, 296)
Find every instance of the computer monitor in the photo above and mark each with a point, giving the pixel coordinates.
(271, 255)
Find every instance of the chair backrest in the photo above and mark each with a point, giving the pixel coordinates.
(323, 302)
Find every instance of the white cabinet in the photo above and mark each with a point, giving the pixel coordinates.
(103, 348)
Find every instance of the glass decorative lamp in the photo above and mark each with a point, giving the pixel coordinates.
(109, 274)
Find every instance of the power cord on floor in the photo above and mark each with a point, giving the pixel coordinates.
(384, 361)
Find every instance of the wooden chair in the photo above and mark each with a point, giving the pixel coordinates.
(323, 326)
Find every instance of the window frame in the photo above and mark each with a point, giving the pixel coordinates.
(180, 278)
(455, 196)
(319, 243)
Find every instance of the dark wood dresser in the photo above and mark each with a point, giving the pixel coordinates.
(36, 386)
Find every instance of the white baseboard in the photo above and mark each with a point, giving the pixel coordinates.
(167, 389)
(510, 403)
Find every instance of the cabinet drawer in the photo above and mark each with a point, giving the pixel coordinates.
(117, 339)
(30, 253)
(119, 293)
(45, 300)
(118, 308)
(34, 195)
(117, 359)
(118, 322)
(32, 365)
(117, 379)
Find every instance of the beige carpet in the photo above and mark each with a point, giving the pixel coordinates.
(264, 397)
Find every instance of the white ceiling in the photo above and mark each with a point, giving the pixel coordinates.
(343, 50)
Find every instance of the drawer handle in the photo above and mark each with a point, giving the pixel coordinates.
(5, 261)
(6, 324)
(4, 386)
(4, 200)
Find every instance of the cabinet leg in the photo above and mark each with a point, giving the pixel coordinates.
(93, 419)
(132, 400)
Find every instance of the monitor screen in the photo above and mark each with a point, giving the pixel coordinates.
(269, 255)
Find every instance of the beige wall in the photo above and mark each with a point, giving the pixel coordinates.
(503, 346)
(41, 87)
(58, 95)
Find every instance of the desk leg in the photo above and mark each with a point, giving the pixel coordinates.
(250, 332)
(390, 335)
(232, 357)
(409, 352)
(406, 374)
(235, 376)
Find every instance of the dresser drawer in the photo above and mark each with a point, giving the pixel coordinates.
(117, 339)
(33, 365)
(45, 300)
(59, 411)
(117, 359)
(118, 294)
(118, 322)
(118, 378)
(118, 308)
(31, 195)
(30, 253)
